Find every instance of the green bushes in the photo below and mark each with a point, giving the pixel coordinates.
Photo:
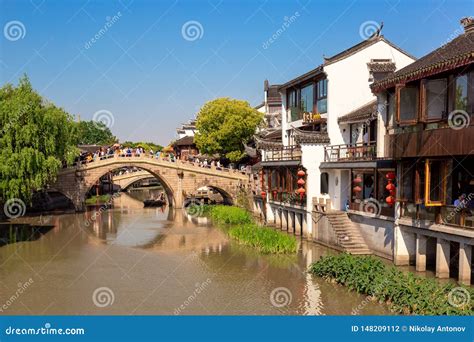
(230, 215)
(404, 292)
(266, 240)
(242, 228)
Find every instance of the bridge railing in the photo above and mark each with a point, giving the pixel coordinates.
(133, 156)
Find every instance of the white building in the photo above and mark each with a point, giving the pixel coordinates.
(312, 104)
(187, 129)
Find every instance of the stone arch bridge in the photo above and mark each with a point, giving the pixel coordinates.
(180, 179)
(127, 179)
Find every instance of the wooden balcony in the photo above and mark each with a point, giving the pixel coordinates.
(430, 143)
(285, 153)
(353, 152)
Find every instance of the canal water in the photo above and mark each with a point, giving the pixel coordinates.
(153, 261)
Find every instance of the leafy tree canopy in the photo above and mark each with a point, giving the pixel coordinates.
(35, 138)
(146, 145)
(224, 125)
(95, 133)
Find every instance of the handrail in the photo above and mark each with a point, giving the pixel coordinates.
(283, 153)
(349, 152)
(159, 158)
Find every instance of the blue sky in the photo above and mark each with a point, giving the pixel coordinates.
(151, 76)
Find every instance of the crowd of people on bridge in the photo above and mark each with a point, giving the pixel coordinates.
(118, 150)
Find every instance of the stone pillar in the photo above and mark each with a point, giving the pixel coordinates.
(421, 241)
(442, 258)
(405, 246)
(178, 193)
(284, 220)
(304, 226)
(278, 218)
(291, 222)
(465, 257)
(298, 223)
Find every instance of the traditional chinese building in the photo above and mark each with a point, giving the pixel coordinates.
(326, 113)
(428, 108)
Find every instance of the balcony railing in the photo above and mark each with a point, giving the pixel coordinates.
(358, 151)
(284, 153)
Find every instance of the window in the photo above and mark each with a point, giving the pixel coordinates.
(406, 180)
(324, 183)
(436, 95)
(292, 99)
(363, 185)
(460, 96)
(293, 105)
(322, 101)
(435, 182)
(306, 98)
(407, 104)
(391, 109)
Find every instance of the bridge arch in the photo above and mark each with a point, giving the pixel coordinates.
(179, 179)
(151, 174)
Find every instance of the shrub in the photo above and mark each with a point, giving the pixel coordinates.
(264, 239)
(230, 215)
(404, 292)
(242, 228)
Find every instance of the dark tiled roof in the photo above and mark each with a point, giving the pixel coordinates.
(382, 66)
(310, 137)
(184, 141)
(273, 91)
(458, 52)
(310, 74)
(360, 114)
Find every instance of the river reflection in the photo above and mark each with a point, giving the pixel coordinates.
(157, 261)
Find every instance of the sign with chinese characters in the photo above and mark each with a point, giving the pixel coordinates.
(311, 117)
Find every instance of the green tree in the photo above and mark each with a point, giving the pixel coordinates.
(224, 125)
(35, 138)
(146, 145)
(95, 133)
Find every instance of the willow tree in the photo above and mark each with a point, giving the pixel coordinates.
(224, 125)
(36, 137)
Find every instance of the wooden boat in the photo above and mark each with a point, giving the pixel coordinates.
(154, 203)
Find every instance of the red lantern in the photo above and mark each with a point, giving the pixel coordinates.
(390, 200)
(264, 194)
(357, 189)
(301, 173)
(390, 175)
(301, 181)
(357, 180)
(301, 191)
(390, 187)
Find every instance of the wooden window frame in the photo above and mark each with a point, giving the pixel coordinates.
(422, 98)
(428, 201)
(317, 98)
(313, 85)
(400, 181)
(398, 89)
